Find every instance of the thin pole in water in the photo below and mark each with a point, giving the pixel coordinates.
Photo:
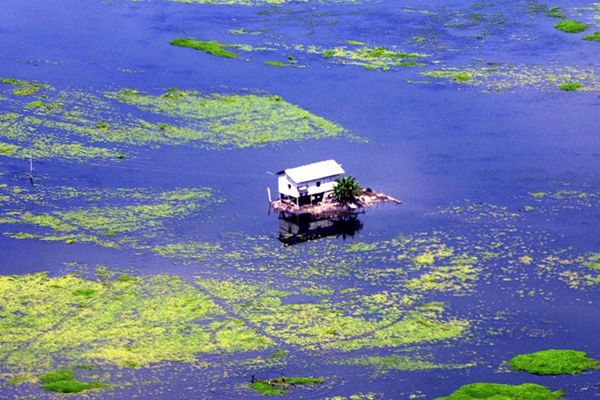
(31, 167)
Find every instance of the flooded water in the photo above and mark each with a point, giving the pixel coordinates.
(144, 255)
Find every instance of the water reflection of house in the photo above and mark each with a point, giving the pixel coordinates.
(295, 229)
(308, 184)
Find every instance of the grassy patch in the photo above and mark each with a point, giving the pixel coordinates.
(554, 362)
(210, 47)
(527, 391)
(570, 26)
(593, 37)
(281, 385)
(570, 86)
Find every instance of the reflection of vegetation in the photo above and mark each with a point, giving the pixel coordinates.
(554, 362)
(63, 381)
(210, 47)
(281, 385)
(527, 391)
(570, 26)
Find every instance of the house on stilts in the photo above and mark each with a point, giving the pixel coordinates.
(308, 184)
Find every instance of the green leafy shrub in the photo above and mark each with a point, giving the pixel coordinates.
(346, 190)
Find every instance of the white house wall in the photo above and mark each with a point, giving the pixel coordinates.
(327, 185)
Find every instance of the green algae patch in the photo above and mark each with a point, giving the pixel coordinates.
(127, 323)
(570, 86)
(279, 386)
(554, 362)
(526, 391)
(210, 47)
(571, 26)
(23, 88)
(63, 381)
(595, 37)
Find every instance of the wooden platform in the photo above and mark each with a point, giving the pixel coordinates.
(329, 208)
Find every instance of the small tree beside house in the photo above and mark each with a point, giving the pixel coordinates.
(346, 190)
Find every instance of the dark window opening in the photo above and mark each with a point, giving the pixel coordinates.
(289, 186)
(318, 184)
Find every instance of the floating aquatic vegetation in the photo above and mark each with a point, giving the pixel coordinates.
(365, 56)
(595, 37)
(283, 384)
(110, 218)
(63, 381)
(125, 322)
(570, 86)
(81, 126)
(476, 212)
(554, 362)
(326, 325)
(571, 26)
(23, 88)
(504, 77)
(526, 391)
(556, 12)
(210, 47)
(456, 76)
(239, 120)
(399, 363)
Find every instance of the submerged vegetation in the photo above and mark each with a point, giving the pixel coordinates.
(554, 362)
(526, 391)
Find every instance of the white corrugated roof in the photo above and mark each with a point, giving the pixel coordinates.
(314, 171)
